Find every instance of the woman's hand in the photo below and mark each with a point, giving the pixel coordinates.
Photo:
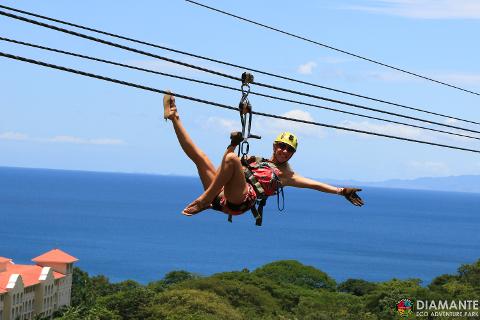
(351, 195)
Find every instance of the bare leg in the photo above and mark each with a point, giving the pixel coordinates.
(230, 177)
(205, 167)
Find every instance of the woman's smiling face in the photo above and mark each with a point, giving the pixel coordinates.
(282, 152)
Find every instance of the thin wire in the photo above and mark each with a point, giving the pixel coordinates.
(117, 45)
(232, 64)
(130, 84)
(359, 106)
(81, 35)
(333, 48)
(69, 53)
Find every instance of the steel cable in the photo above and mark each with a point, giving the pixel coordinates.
(232, 64)
(221, 86)
(81, 35)
(130, 84)
(333, 48)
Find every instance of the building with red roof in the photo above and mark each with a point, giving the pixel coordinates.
(28, 291)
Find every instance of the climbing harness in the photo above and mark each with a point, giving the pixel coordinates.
(254, 164)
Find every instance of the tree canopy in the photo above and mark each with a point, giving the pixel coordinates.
(279, 290)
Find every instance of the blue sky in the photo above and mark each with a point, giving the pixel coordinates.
(51, 119)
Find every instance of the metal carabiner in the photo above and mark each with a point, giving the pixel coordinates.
(245, 109)
(244, 148)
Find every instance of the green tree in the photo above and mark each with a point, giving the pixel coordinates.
(383, 300)
(129, 303)
(293, 272)
(470, 274)
(190, 304)
(92, 313)
(170, 279)
(249, 299)
(438, 283)
(357, 287)
(100, 286)
(279, 290)
(286, 295)
(324, 304)
(125, 286)
(81, 293)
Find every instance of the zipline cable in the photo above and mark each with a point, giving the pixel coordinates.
(232, 64)
(130, 84)
(335, 49)
(69, 53)
(81, 35)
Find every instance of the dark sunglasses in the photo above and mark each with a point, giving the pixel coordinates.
(284, 146)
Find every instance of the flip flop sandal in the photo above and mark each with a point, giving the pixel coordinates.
(167, 103)
(209, 206)
(235, 138)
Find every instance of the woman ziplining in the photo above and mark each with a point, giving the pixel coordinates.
(238, 184)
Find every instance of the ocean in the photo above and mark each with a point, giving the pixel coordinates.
(129, 226)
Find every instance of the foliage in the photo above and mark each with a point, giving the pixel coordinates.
(286, 295)
(293, 272)
(92, 313)
(357, 287)
(170, 279)
(80, 287)
(190, 304)
(330, 305)
(279, 290)
(469, 274)
(129, 303)
(251, 300)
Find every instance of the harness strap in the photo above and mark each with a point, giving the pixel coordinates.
(280, 192)
(250, 177)
(258, 212)
(250, 164)
(257, 216)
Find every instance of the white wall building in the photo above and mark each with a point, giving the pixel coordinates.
(30, 290)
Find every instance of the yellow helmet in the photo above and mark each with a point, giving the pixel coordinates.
(288, 138)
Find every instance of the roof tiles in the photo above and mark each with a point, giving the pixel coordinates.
(30, 273)
(55, 255)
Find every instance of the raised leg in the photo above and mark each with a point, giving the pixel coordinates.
(205, 167)
(230, 177)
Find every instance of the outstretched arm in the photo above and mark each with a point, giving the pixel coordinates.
(295, 180)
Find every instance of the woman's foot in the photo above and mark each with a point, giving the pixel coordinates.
(169, 107)
(235, 139)
(195, 207)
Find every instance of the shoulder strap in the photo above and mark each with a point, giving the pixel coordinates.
(250, 163)
(250, 177)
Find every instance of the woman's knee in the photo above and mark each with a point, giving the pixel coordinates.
(232, 159)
